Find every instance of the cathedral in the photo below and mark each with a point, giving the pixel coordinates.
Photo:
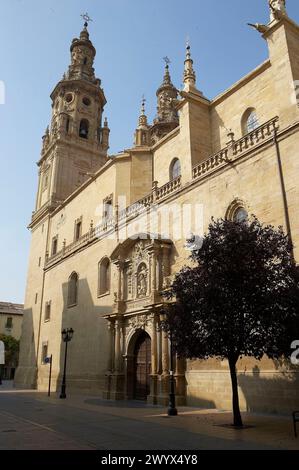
(109, 232)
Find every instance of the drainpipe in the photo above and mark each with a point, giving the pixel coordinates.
(283, 190)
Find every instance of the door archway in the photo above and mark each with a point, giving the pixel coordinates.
(142, 366)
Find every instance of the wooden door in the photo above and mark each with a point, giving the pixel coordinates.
(142, 359)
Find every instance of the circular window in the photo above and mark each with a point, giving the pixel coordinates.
(69, 97)
(241, 215)
(86, 101)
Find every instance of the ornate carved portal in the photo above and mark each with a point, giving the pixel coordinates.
(138, 364)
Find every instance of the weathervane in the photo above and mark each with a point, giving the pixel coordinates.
(166, 60)
(86, 19)
(143, 104)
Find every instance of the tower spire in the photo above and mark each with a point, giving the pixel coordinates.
(142, 117)
(189, 73)
(82, 55)
(142, 136)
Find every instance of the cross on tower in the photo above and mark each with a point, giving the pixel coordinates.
(166, 60)
(143, 104)
(86, 19)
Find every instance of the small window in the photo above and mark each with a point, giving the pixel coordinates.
(54, 245)
(48, 311)
(35, 300)
(85, 61)
(175, 169)
(249, 121)
(8, 323)
(108, 207)
(73, 289)
(83, 129)
(44, 352)
(86, 101)
(39, 261)
(104, 276)
(67, 125)
(78, 229)
(69, 98)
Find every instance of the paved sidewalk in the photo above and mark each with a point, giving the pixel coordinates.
(30, 419)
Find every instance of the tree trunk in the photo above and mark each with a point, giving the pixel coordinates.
(234, 381)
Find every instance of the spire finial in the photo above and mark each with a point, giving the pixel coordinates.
(166, 78)
(143, 100)
(142, 117)
(189, 73)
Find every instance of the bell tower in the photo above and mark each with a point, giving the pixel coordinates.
(75, 144)
(167, 117)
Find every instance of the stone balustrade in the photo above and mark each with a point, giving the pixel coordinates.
(168, 188)
(238, 147)
(220, 159)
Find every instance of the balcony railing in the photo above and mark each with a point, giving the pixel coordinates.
(238, 147)
(169, 188)
(222, 158)
(255, 137)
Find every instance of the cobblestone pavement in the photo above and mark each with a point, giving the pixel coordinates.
(31, 420)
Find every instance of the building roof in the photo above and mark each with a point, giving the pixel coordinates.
(10, 308)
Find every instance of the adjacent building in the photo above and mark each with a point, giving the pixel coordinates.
(11, 317)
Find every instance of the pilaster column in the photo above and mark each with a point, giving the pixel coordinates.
(111, 329)
(154, 346)
(120, 268)
(117, 365)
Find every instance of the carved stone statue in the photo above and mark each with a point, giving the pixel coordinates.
(277, 9)
(142, 282)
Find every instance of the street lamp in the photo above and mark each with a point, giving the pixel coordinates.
(172, 410)
(67, 335)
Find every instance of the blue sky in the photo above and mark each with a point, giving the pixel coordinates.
(131, 38)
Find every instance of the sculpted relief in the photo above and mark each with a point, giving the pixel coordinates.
(142, 280)
(277, 9)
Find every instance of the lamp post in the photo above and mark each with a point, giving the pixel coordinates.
(172, 410)
(67, 335)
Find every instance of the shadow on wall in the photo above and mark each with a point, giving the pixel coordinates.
(26, 373)
(270, 392)
(88, 350)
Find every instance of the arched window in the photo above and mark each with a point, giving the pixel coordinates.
(240, 215)
(237, 211)
(104, 276)
(249, 121)
(83, 129)
(174, 169)
(73, 289)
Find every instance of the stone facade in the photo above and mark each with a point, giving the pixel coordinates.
(104, 218)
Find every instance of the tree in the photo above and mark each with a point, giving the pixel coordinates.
(239, 298)
(11, 349)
